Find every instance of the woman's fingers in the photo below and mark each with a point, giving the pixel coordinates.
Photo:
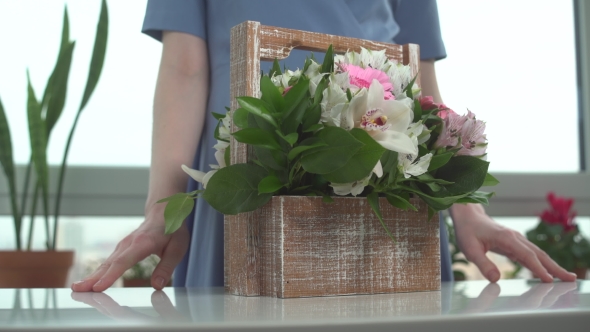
(172, 255)
(552, 267)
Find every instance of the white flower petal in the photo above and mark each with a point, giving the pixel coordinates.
(193, 173)
(220, 157)
(378, 170)
(395, 141)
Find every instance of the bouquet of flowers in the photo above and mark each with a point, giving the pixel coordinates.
(557, 234)
(355, 125)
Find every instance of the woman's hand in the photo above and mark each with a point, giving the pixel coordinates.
(148, 239)
(477, 234)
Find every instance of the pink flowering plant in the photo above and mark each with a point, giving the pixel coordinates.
(558, 235)
(355, 125)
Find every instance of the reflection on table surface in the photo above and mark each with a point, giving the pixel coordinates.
(144, 306)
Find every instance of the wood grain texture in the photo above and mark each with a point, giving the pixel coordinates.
(263, 254)
(312, 248)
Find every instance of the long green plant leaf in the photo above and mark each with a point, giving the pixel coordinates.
(7, 162)
(96, 64)
(38, 139)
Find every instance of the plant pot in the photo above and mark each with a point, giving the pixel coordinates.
(580, 272)
(298, 246)
(35, 269)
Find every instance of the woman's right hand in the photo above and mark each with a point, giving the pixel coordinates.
(148, 239)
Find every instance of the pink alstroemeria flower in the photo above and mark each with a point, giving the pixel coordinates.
(473, 138)
(362, 78)
(452, 125)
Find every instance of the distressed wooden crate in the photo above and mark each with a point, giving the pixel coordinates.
(300, 246)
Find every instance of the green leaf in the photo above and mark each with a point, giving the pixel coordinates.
(58, 85)
(328, 65)
(417, 109)
(341, 146)
(490, 181)
(319, 91)
(301, 148)
(270, 184)
(400, 202)
(408, 88)
(98, 54)
(258, 108)
(178, 208)
(218, 116)
(273, 159)
(373, 199)
(7, 163)
(314, 128)
(240, 118)
(257, 137)
(437, 203)
(311, 120)
(291, 138)
(271, 94)
(234, 189)
(227, 156)
(38, 139)
(276, 69)
(480, 197)
(389, 161)
(297, 102)
(439, 160)
(468, 174)
(362, 162)
(428, 178)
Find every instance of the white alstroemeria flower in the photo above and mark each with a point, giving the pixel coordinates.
(355, 188)
(385, 120)
(284, 79)
(199, 176)
(420, 131)
(314, 75)
(400, 76)
(334, 102)
(409, 165)
(374, 59)
(367, 58)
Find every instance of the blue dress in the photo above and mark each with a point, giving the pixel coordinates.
(399, 21)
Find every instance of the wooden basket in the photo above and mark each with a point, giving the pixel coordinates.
(299, 246)
(306, 247)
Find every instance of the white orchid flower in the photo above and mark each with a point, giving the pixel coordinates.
(385, 120)
(410, 165)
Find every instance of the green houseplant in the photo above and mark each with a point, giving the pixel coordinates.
(42, 115)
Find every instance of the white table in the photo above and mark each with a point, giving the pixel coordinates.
(510, 305)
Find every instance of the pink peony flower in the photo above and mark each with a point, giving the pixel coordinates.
(560, 213)
(362, 78)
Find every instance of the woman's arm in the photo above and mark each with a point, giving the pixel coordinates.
(179, 109)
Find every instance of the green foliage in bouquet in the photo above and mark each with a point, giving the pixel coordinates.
(558, 235)
(353, 125)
